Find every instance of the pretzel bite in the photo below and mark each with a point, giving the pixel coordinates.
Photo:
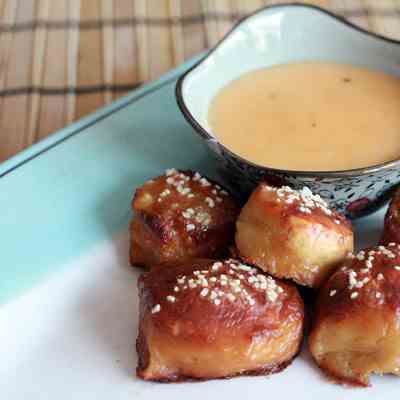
(391, 228)
(292, 234)
(356, 330)
(215, 319)
(180, 216)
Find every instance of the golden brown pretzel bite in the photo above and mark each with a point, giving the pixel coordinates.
(391, 228)
(356, 330)
(292, 234)
(215, 319)
(179, 216)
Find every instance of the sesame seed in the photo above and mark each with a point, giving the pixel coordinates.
(192, 284)
(210, 202)
(332, 292)
(213, 295)
(216, 266)
(171, 171)
(190, 195)
(196, 176)
(213, 279)
(176, 289)
(217, 302)
(204, 182)
(378, 295)
(170, 181)
(190, 227)
(171, 299)
(219, 199)
(380, 276)
(204, 292)
(271, 295)
(156, 309)
(251, 301)
(231, 297)
(337, 221)
(354, 295)
(397, 268)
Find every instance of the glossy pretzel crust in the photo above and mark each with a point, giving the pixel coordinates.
(163, 230)
(195, 339)
(391, 228)
(356, 328)
(288, 243)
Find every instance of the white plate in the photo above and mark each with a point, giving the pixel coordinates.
(74, 337)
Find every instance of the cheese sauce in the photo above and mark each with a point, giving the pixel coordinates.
(310, 117)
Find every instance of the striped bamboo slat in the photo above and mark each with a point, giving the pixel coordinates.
(60, 60)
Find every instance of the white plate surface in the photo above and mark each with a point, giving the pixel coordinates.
(73, 337)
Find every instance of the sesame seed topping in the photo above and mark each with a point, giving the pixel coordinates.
(210, 202)
(217, 302)
(171, 171)
(190, 227)
(196, 176)
(378, 295)
(354, 295)
(251, 301)
(332, 292)
(216, 266)
(204, 182)
(397, 267)
(213, 295)
(231, 297)
(204, 292)
(380, 277)
(176, 289)
(156, 309)
(306, 201)
(171, 299)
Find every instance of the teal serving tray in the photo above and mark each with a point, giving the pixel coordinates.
(68, 297)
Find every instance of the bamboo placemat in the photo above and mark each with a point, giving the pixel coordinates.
(61, 59)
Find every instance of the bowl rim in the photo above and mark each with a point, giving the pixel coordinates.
(199, 129)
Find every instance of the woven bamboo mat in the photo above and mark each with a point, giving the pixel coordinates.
(61, 59)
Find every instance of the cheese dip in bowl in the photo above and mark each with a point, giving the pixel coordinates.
(296, 95)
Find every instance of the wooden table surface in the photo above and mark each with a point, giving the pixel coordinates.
(61, 59)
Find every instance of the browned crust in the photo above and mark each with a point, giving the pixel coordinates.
(143, 360)
(267, 370)
(158, 229)
(201, 322)
(339, 307)
(340, 379)
(203, 317)
(391, 227)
